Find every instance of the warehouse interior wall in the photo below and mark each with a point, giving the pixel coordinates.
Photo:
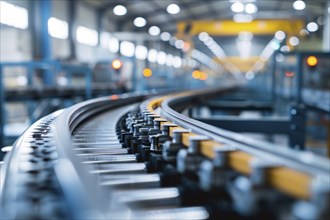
(20, 48)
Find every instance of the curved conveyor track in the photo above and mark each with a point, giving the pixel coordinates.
(137, 157)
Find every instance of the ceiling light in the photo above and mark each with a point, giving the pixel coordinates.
(249, 75)
(237, 7)
(161, 58)
(119, 10)
(209, 42)
(177, 62)
(280, 57)
(280, 35)
(127, 49)
(139, 22)
(169, 59)
(165, 36)
(312, 27)
(251, 8)
(154, 30)
(299, 5)
(152, 55)
(242, 18)
(203, 36)
(285, 48)
(275, 45)
(141, 52)
(294, 41)
(179, 44)
(173, 9)
(193, 63)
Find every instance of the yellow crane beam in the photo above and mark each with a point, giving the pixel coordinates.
(230, 28)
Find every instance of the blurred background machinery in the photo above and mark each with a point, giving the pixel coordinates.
(269, 58)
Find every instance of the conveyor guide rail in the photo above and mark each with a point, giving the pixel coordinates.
(77, 166)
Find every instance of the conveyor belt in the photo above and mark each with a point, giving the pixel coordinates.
(118, 158)
(304, 162)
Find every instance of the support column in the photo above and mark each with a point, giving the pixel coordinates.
(34, 29)
(99, 24)
(45, 11)
(299, 77)
(72, 28)
(139, 66)
(326, 29)
(273, 78)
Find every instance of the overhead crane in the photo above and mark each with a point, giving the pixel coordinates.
(231, 28)
(228, 28)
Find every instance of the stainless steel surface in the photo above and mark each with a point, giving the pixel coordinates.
(119, 168)
(126, 181)
(146, 198)
(80, 158)
(304, 161)
(96, 149)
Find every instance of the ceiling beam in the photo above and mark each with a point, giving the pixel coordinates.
(231, 28)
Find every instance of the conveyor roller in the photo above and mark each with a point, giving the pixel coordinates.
(137, 157)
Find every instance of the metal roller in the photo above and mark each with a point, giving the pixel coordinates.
(138, 157)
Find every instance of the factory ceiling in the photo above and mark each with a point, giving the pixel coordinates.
(225, 21)
(155, 11)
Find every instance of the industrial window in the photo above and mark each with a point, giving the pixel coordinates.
(110, 43)
(13, 15)
(58, 28)
(86, 36)
(177, 62)
(127, 49)
(161, 58)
